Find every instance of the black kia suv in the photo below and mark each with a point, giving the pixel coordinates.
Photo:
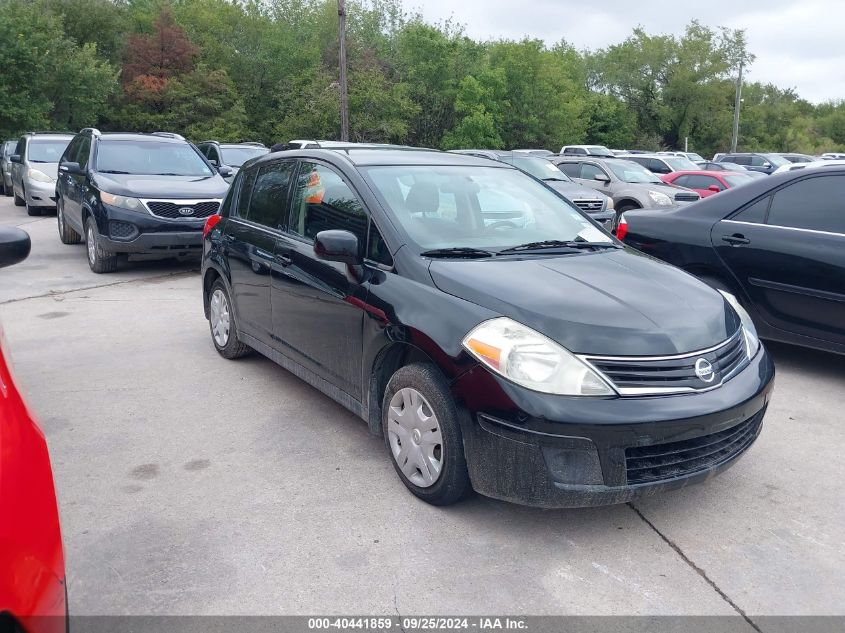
(139, 195)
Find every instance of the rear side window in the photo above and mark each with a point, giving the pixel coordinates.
(739, 160)
(246, 191)
(572, 170)
(323, 201)
(755, 213)
(814, 203)
(701, 182)
(270, 194)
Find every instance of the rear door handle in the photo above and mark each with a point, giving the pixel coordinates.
(737, 239)
(284, 260)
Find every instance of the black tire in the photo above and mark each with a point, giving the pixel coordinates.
(99, 260)
(19, 202)
(625, 206)
(30, 210)
(233, 347)
(66, 234)
(453, 482)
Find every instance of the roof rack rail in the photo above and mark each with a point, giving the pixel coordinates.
(93, 131)
(253, 143)
(49, 132)
(168, 135)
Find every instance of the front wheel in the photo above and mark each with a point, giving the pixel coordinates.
(19, 202)
(99, 260)
(423, 435)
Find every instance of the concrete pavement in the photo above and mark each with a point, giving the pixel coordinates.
(189, 484)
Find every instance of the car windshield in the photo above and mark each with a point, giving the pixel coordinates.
(695, 157)
(735, 180)
(477, 207)
(237, 156)
(148, 157)
(776, 160)
(537, 167)
(46, 150)
(629, 171)
(599, 150)
(680, 163)
(9, 148)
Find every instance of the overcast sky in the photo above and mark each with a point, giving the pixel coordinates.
(798, 44)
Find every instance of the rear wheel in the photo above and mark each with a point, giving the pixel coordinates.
(221, 320)
(423, 435)
(66, 234)
(99, 260)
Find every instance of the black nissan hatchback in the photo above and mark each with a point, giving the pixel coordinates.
(495, 335)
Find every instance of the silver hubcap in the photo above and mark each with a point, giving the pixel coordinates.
(220, 319)
(92, 245)
(415, 438)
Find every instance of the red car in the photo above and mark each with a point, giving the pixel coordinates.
(706, 183)
(32, 567)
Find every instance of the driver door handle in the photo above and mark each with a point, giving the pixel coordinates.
(284, 260)
(737, 239)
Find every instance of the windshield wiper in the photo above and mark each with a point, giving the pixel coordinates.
(554, 178)
(167, 173)
(458, 251)
(548, 244)
(112, 171)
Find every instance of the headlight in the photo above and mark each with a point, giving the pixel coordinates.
(38, 175)
(660, 199)
(123, 202)
(749, 332)
(528, 358)
(609, 202)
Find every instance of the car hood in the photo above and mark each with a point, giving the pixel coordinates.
(140, 186)
(51, 169)
(618, 303)
(573, 191)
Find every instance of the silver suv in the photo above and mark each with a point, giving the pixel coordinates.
(631, 185)
(35, 167)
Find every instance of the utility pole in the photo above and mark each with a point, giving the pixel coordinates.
(735, 136)
(344, 95)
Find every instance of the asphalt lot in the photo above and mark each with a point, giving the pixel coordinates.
(193, 485)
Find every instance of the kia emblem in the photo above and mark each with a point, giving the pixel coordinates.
(186, 210)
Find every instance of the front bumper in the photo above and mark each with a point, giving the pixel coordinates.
(144, 234)
(40, 194)
(554, 451)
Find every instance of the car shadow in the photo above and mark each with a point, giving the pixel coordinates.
(810, 362)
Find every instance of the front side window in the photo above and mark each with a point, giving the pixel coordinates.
(71, 153)
(270, 194)
(211, 153)
(9, 148)
(237, 156)
(47, 150)
(494, 207)
(589, 171)
(814, 203)
(629, 171)
(84, 152)
(150, 157)
(323, 201)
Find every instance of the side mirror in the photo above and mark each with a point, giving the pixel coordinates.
(714, 188)
(15, 158)
(14, 246)
(337, 246)
(767, 165)
(602, 178)
(224, 170)
(72, 169)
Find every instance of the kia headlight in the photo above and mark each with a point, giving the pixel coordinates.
(529, 359)
(749, 332)
(38, 176)
(660, 199)
(122, 202)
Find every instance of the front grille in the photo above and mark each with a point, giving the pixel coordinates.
(676, 459)
(170, 210)
(122, 230)
(686, 196)
(637, 375)
(590, 206)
